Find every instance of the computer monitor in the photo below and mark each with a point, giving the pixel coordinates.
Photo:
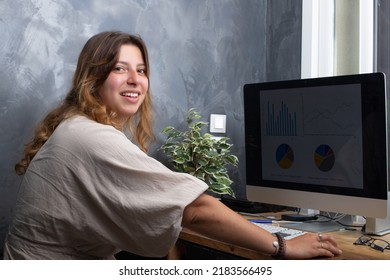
(319, 143)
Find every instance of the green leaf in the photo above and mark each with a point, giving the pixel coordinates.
(168, 129)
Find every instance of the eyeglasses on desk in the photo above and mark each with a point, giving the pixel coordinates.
(375, 243)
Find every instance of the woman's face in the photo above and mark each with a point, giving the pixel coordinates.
(125, 88)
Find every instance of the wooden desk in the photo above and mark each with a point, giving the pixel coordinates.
(345, 240)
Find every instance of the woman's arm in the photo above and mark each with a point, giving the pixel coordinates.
(208, 216)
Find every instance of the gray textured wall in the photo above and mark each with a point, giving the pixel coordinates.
(202, 53)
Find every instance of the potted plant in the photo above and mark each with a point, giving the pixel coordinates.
(200, 155)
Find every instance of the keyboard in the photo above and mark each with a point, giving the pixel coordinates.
(246, 206)
(286, 233)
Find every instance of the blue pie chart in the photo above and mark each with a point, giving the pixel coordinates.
(284, 156)
(324, 158)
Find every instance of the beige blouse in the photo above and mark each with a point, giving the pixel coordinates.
(90, 192)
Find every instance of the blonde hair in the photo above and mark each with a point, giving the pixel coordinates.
(95, 63)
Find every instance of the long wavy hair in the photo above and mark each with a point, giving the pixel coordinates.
(96, 61)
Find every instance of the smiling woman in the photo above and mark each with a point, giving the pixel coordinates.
(89, 191)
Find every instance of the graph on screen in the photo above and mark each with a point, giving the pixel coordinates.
(280, 122)
(312, 138)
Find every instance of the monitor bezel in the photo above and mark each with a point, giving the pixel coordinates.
(374, 126)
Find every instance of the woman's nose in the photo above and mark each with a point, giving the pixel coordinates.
(132, 77)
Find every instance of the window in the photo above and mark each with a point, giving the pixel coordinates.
(338, 37)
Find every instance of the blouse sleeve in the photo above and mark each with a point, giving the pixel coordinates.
(118, 194)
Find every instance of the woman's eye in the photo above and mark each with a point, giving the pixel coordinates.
(142, 71)
(119, 69)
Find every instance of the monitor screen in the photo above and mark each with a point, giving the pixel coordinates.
(318, 143)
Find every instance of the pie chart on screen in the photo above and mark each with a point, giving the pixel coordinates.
(284, 156)
(324, 158)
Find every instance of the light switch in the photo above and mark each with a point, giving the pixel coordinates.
(217, 123)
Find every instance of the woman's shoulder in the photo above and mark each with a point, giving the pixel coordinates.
(82, 125)
(83, 131)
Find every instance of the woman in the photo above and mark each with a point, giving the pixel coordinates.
(89, 192)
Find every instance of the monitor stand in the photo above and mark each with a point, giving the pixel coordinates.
(377, 226)
(323, 225)
(316, 226)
